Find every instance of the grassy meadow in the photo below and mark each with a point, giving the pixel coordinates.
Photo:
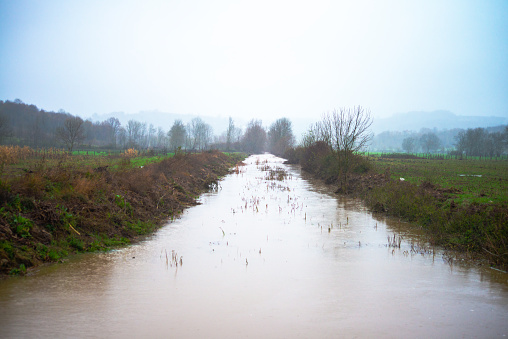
(468, 181)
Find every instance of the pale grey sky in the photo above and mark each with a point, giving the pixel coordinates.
(264, 59)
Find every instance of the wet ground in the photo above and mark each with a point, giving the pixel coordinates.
(270, 254)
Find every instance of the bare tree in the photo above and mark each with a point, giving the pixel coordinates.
(409, 144)
(162, 140)
(113, 126)
(143, 136)
(230, 134)
(322, 131)
(254, 139)
(152, 136)
(37, 130)
(71, 132)
(350, 129)
(200, 134)
(177, 135)
(136, 133)
(429, 142)
(122, 137)
(88, 131)
(5, 130)
(346, 132)
(280, 136)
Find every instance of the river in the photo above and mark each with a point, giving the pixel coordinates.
(262, 258)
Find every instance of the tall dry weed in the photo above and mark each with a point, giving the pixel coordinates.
(85, 186)
(130, 153)
(14, 154)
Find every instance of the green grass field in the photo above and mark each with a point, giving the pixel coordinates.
(480, 181)
(444, 156)
(83, 160)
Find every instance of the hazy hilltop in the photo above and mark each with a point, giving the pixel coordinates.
(414, 121)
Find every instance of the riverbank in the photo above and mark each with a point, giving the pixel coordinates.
(52, 211)
(461, 206)
(271, 247)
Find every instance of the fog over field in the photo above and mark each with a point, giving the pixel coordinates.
(263, 59)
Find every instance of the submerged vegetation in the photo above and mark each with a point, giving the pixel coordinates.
(51, 206)
(461, 204)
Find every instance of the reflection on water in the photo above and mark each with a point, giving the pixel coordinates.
(261, 258)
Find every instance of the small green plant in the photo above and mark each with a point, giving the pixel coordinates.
(4, 214)
(7, 247)
(104, 243)
(55, 255)
(22, 226)
(141, 227)
(19, 271)
(66, 217)
(16, 202)
(42, 251)
(50, 227)
(76, 243)
(114, 242)
(123, 204)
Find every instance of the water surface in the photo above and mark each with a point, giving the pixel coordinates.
(262, 258)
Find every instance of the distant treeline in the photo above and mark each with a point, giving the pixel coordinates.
(480, 142)
(26, 125)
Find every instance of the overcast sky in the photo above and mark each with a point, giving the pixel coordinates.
(264, 59)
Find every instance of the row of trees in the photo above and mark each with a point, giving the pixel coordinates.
(22, 124)
(470, 142)
(25, 125)
(427, 143)
(479, 142)
(491, 141)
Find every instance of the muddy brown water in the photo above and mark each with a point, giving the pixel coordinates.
(262, 259)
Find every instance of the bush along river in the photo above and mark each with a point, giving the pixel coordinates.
(268, 253)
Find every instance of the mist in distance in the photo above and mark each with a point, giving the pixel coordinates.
(261, 59)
